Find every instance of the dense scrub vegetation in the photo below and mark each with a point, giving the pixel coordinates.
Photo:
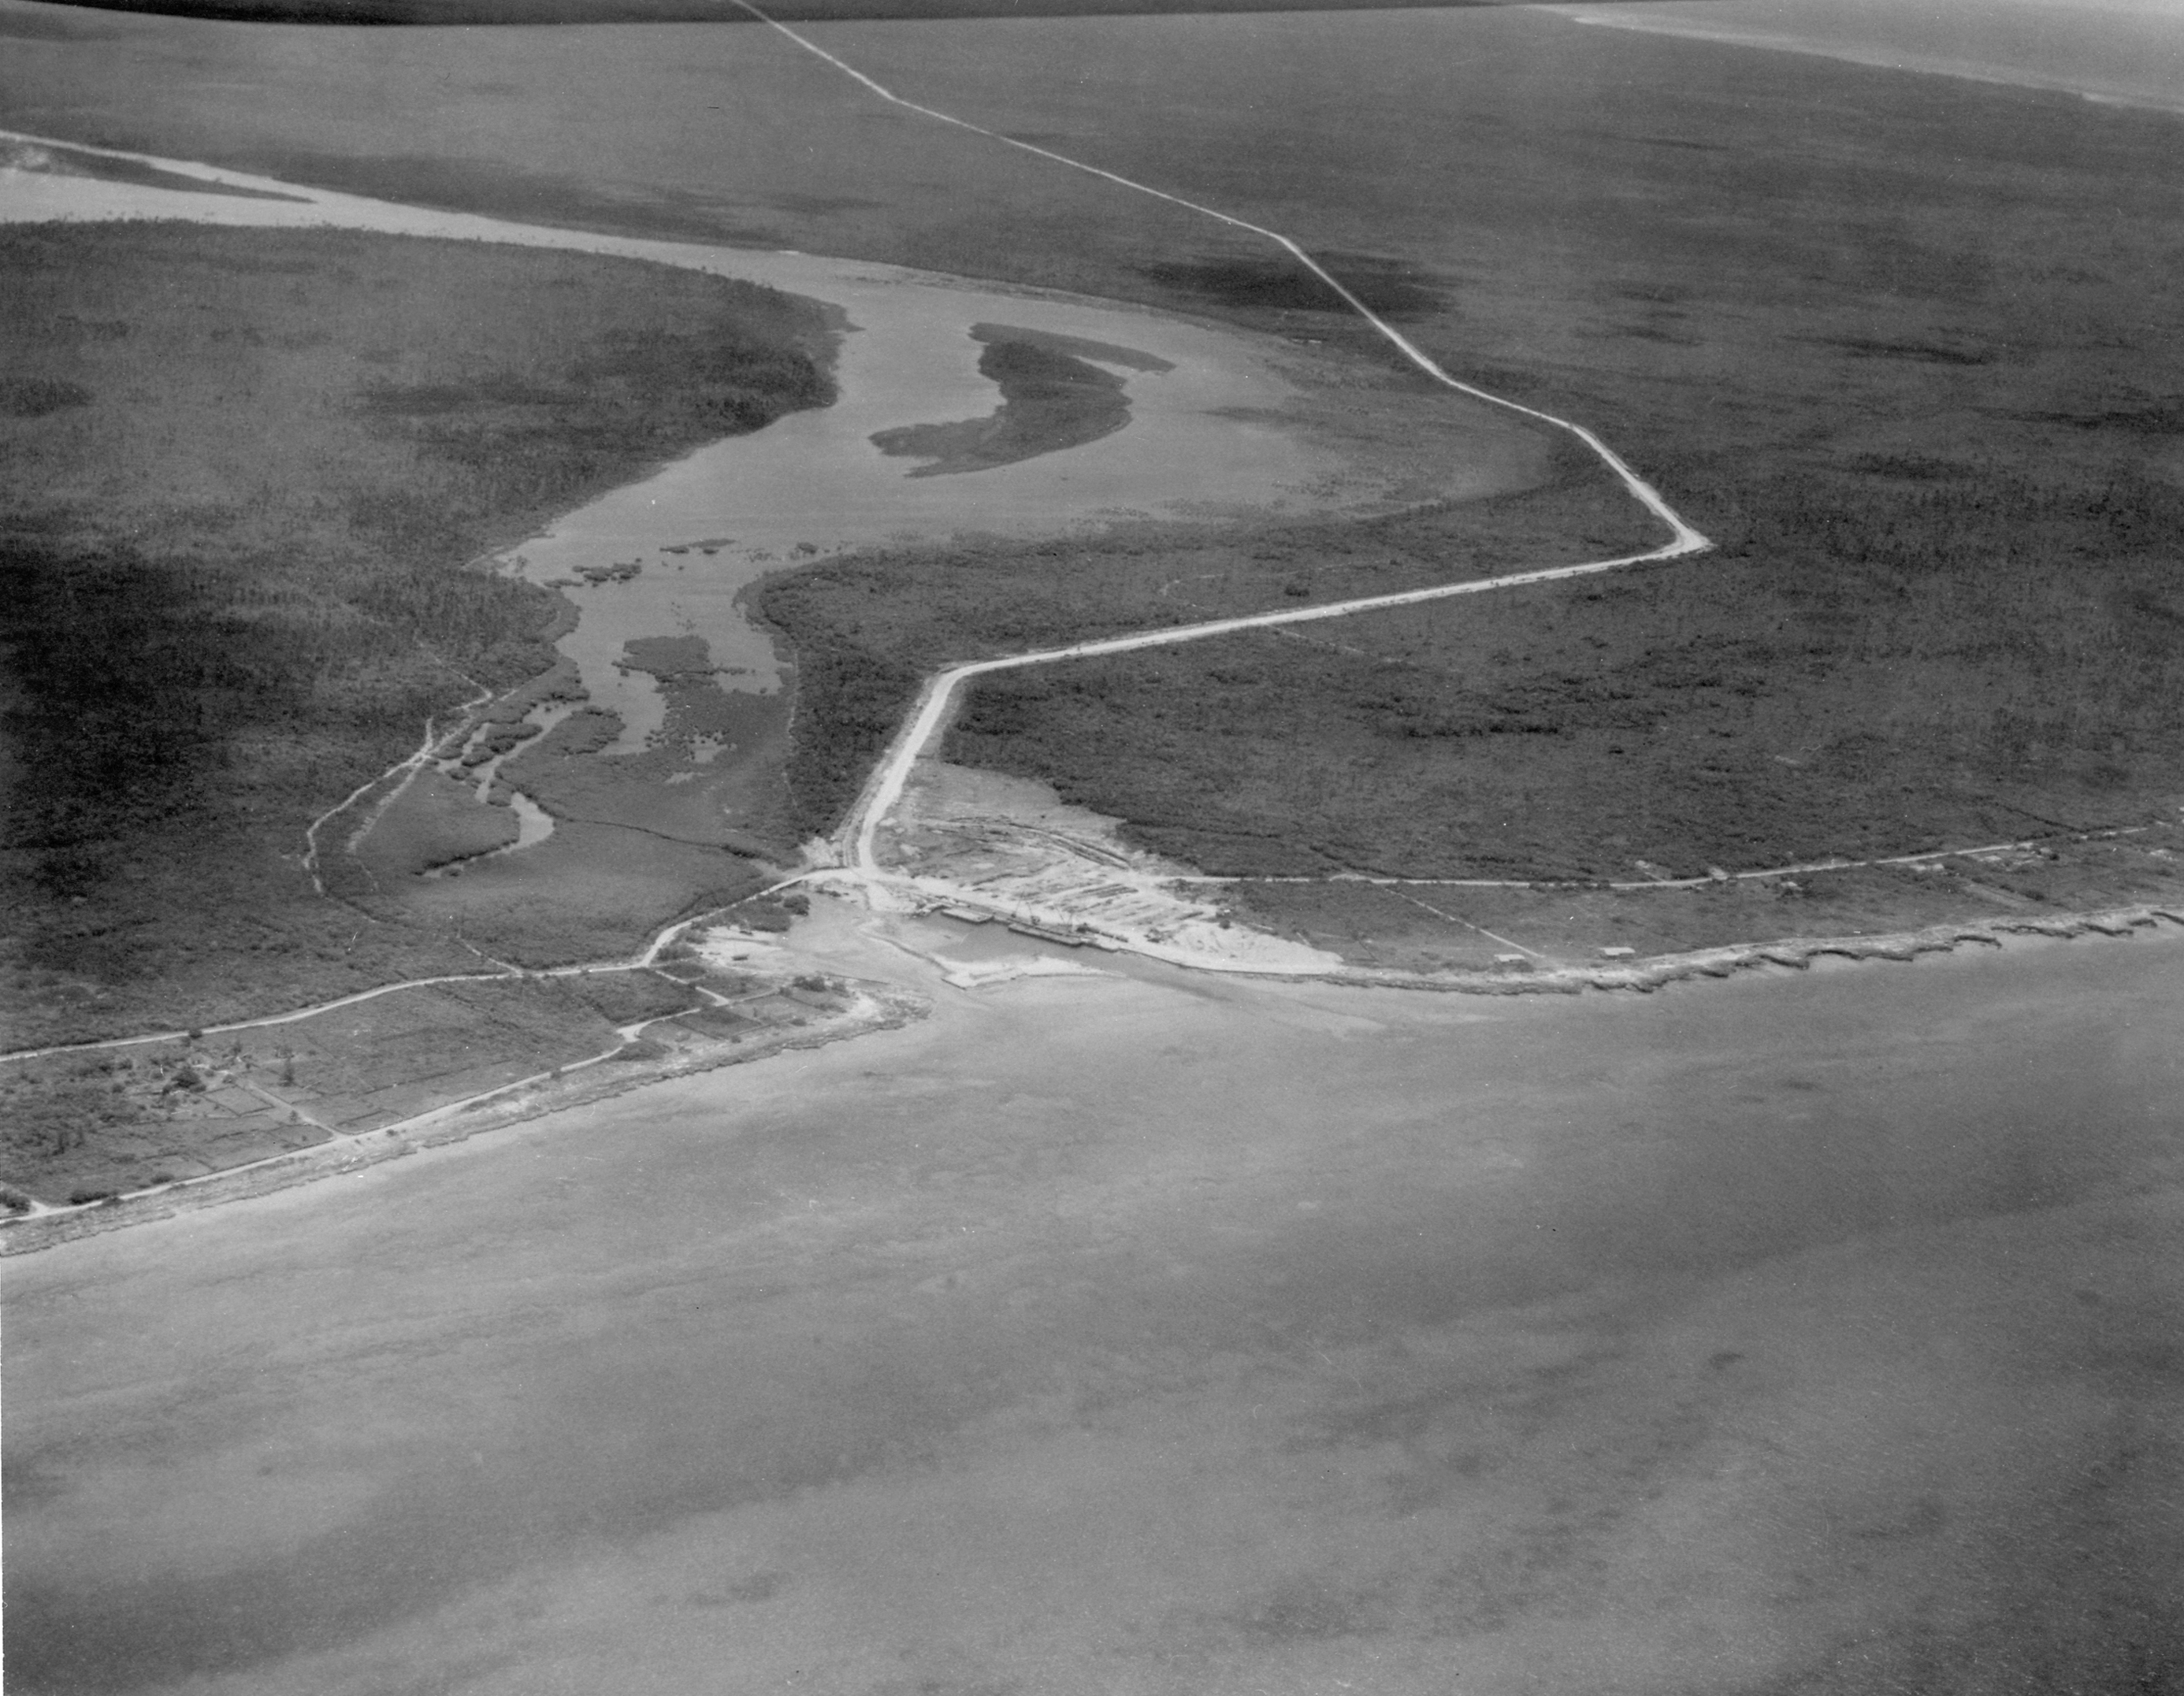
(1878, 661)
(868, 627)
(1930, 417)
(1853, 321)
(1863, 673)
(241, 474)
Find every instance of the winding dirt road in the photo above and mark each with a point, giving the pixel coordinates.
(856, 837)
(936, 700)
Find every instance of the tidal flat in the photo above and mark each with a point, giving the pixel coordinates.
(1141, 1332)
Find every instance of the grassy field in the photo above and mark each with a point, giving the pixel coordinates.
(244, 474)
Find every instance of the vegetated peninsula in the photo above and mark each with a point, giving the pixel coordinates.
(1051, 399)
(248, 472)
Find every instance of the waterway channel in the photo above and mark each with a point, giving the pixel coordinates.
(1206, 439)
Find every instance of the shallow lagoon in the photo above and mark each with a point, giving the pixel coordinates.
(1207, 439)
(1145, 1333)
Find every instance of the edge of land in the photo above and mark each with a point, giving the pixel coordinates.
(874, 1007)
(1797, 953)
(882, 1007)
(456, 1120)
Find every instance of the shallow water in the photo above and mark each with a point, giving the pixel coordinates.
(2129, 51)
(1202, 442)
(1144, 1333)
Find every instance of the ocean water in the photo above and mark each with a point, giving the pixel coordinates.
(1139, 1333)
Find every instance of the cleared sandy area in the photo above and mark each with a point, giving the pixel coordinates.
(1007, 850)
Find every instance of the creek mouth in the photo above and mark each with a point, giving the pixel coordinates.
(1089, 414)
(1203, 426)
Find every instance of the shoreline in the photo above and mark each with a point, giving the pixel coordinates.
(879, 1008)
(1656, 971)
(891, 1007)
(884, 1008)
(1180, 1285)
(1797, 954)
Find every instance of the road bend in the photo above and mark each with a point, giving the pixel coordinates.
(1685, 539)
(935, 702)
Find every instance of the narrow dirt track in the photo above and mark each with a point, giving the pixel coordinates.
(935, 703)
